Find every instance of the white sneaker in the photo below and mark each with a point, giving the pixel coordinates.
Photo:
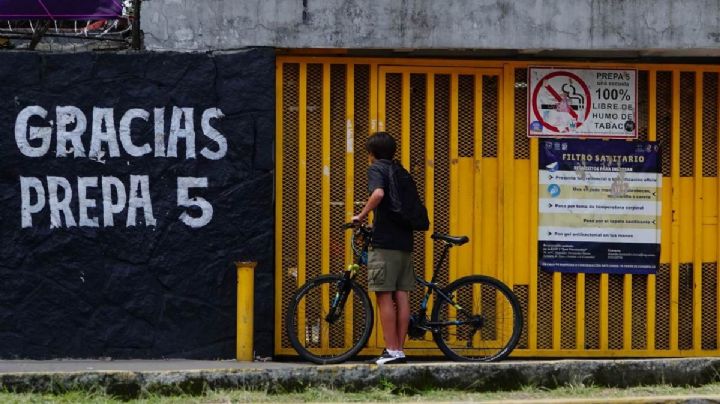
(387, 359)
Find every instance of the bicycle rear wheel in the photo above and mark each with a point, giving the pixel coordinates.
(484, 324)
(326, 336)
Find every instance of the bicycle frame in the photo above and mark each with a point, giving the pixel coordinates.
(431, 286)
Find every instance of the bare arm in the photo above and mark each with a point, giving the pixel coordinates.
(372, 203)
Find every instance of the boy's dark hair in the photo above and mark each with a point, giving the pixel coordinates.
(381, 145)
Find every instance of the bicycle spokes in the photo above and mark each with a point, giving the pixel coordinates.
(329, 320)
(478, 323)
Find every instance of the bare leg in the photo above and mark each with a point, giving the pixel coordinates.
(388, 319)
(402, 300)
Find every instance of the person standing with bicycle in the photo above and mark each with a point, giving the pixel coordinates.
(390, 272)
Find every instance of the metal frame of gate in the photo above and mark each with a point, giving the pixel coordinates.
(474, 142)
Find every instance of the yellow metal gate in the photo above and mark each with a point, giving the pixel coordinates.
(461, 126)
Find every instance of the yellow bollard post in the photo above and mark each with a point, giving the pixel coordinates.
(245, 295)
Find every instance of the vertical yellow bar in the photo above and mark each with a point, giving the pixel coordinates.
(349, 182)
(381, 101)
(376, 335)
(557, 309)
(325, 186)
(278, 200)
(454, 214)
(627, 312)
(349, 155)
(477, 239)
(533, 246)
(580, 312)
(604, 280)
(718, 224)
(405, 136)
(465, 204)
(506, 127)
(675, 238)
(478, 177)
(325, 197)
(374, 97)
(507, 180)
(429, 173)
(698, 240)
(652, 136)
(302, 185)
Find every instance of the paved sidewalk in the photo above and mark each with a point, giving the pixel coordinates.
(71, 365)
(128, 378)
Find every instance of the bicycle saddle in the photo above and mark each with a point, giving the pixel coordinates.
(450, 239)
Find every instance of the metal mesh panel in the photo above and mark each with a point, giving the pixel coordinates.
(289, 187)
(663, 117)
(313, 213)
(337, 182)
(490, 111)
(568, 312)
(592, 311)
(710, 124)
(313, 319)
(642, 99)
(362, 130)
(490, 311)
(522, 142)
(441, 192)
(393, 107)
(685, 309)
(522, 293)
(662, 307)
(687, 123)
(466, 116)
(639, 312)
(615, 311)
(709, 306)
(545, 310)
(418, 94)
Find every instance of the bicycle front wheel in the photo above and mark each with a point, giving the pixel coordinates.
(483, 323)
(321, 328)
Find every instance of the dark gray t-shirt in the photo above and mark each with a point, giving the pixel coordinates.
(387, 233)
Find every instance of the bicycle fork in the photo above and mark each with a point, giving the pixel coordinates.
(338, 302)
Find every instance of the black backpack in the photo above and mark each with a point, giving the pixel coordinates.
(405, 202)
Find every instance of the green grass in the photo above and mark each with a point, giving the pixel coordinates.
(385, 393)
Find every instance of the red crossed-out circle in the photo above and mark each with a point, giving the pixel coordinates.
(588, 101)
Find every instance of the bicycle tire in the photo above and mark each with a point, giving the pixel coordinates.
(485, 339)
(316, 324)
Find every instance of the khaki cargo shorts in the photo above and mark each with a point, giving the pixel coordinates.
(390, 270)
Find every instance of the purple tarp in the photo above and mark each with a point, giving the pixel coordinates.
(59, 9)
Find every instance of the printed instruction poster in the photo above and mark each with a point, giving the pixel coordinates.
(599, 207)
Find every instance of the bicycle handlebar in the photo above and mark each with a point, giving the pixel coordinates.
(359, 228)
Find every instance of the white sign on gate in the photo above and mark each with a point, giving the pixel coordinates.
(591, 103)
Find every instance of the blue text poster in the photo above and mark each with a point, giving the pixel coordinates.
(599, 206)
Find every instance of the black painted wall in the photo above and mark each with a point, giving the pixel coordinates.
(141, 291)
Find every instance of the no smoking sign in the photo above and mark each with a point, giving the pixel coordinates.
(597, 103)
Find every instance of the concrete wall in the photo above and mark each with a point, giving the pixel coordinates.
(427, 24)
(80, 278)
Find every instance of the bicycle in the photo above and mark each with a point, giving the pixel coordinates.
(469, 321)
